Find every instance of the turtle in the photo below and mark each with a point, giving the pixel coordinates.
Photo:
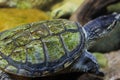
(49, 47)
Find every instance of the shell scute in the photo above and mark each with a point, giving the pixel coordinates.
(4, 63)
(40, 46)
(18, 54)
(71, 40)
(34, 52)
(38, 30)
(54, 48)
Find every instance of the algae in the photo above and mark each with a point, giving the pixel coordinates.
(114, 7)
(11, 17)
(102, 61)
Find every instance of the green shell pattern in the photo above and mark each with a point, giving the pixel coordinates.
(37, 43)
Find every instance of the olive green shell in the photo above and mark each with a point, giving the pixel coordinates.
(38, 48)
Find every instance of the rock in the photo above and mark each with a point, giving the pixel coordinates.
(41, 4)
(91, 9)
(57, 8)
(65, 8)
(11, 17)
(113, 69)
(8, 3)
(114, 8)
(89, 77)
(3, 2)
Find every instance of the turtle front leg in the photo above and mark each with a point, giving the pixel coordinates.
(4, 76)
(87, 63)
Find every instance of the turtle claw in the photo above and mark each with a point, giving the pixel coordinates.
(99, 73)
(4, 76)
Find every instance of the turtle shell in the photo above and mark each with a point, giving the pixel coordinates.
(39, 48)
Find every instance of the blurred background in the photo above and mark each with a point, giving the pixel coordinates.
(107, 50)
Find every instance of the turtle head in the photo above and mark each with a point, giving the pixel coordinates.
(100, 26)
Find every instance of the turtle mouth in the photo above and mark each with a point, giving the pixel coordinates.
(103, 34)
